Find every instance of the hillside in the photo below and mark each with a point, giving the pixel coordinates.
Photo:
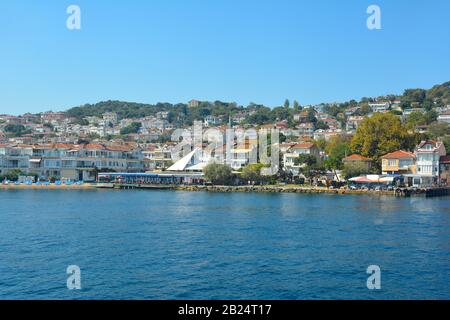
(181, 114)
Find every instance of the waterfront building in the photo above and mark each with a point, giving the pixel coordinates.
(398, 162)
(428, 155)
(294, 152)
(156, 158)
(444, 170)
(74, 162)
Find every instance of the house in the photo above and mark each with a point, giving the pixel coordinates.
(398, 162)
(111, 117)
(193, 103)
(156, 158)
(428, 154)
(379, 106)
(444, 170)
(356, 159)
(353, 122)
(306, 129)
(294, 152)
(326, 134)
(305, 114)
(242, 156)
(332, 123)
(211, 121)
(444, 117)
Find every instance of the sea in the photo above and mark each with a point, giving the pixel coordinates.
(137, 244)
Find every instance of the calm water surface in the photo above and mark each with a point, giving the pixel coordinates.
(181, 245)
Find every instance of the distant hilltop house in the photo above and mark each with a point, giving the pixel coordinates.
(444, 117)
(306, 129)
(379, 106)
(111, 117)
(353, 122)
(326, 135)
(193, 103)
(211, 121)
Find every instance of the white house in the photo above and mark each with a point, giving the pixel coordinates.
(444, 117)
(428, 154)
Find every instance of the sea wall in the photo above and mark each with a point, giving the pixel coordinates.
(280, 189)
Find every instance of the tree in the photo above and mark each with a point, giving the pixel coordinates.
(296, 106)
(16, 130)
(134, 127)
(337, 149)
(446, 141)
(287, 104)
(415, 119)
(218, 174)
(12, 175)
(381, 134)
(252, 173)
(305, 159)
(438, 129)
(322, 125)
(354, 170)
(311, 116)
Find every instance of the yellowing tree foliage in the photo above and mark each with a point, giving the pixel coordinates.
(381, 134)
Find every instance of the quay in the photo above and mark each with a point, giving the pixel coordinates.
(426, 192)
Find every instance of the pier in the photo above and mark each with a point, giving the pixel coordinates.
(425, 192)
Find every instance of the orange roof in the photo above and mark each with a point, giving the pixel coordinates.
(356, 157)
(398, 155)
(305, 145)
(94, 146)
(118, 148)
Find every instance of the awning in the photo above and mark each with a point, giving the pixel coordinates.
(35, 160)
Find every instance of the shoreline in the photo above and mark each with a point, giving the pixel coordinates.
(437, 192)
(86, 186)
(281, 189)
(200, 188)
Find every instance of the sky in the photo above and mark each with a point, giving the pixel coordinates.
(231, 50)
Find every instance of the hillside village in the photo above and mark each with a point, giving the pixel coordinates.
(374, 142)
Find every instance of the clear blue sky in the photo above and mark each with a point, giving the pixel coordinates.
(244, 51)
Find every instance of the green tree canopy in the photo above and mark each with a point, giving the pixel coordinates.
(337, 149)
(252, 172)
(131, 128)
(352, 170)
(218, 174)
(381, 134)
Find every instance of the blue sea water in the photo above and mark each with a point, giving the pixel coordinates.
(198, 245)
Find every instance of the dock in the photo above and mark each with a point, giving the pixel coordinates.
(425, 192)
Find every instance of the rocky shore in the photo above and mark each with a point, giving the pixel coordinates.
(280, 189)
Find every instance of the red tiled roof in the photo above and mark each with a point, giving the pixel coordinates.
(356, 157)
(398, 155)
(94, 146)
(423, 143)
(306, 145)
(118, 148)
